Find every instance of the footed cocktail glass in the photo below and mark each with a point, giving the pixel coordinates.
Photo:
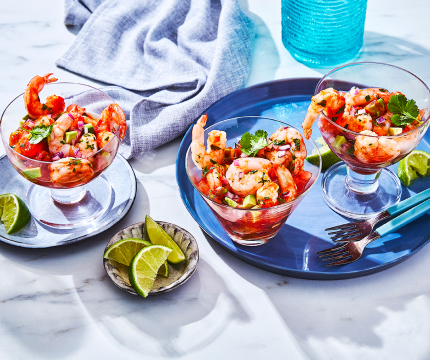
(251, 227)
(81, 199)
(362, 187)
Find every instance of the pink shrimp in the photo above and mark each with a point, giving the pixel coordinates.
(113, 120)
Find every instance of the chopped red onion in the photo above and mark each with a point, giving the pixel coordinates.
(349, 136)
(361, 111)
(80, 124)
(243, 155)
(240, 175)
(29, 124)
(71, 116)
(59, 154)
(281, 154)
(77, 153)
(231, 195)
(380, 120)
(352, 111)
(224, 181)
(55, 158)
(354, 91)
(284, 147)
(218, 188)
(236, 162)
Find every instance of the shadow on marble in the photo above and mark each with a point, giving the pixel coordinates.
(171, 323)
(265, 51)
(158, 158)
(329, 318)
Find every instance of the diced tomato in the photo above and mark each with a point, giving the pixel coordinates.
(301, 179)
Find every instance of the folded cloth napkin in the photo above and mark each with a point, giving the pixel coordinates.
(170, 60)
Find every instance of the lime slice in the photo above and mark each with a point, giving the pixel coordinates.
(417, 162)
(158, 236)
(164, 270)
(328, 157)
(14, 213)
(144, 267)
(124, 251)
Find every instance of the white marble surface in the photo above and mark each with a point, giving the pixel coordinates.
(58, 303)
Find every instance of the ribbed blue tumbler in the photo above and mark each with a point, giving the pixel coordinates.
(323, 32)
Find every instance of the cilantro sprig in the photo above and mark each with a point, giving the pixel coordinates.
(38, 133)
(405, 111)
(252, 144)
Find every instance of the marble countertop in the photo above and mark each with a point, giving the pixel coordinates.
(59, 303)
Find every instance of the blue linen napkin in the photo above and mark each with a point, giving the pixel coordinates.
(170, 60)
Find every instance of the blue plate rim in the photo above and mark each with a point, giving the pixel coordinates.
(311, 275)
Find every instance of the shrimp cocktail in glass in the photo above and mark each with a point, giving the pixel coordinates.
(252, 173)
(61, 144)
(371, 115)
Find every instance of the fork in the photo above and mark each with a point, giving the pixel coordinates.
(358, 230)
(349, 252)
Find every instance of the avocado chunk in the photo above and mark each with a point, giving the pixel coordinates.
(376, 108)
(70, 136)
(88, 128)
(32, 173)
(230, 202)
(22, 122)
(249, 202)
(395, 130)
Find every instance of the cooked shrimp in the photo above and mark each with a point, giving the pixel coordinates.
(54, 105)
(268, 194)
(56, 142)
(87, 144)
(286, 181)
(375, 149)
(103, 138)
(356, 123)
(324, 100)
(288, 136)
(214, 177)
(247, 175)
(113, 120)
(217, 142)
(71, 170)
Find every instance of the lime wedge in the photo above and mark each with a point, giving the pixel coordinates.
(328, 157)
(164, 270)
(417, 162)
(124, 251)
(158, 236)
(14, 213)
(144, 267)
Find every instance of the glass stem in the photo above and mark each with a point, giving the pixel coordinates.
(363, 184)
(68, 196)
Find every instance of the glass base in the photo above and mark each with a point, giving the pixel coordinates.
(70, 208)
(359, 196)
(254, 242)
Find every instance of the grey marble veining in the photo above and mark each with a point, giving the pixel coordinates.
(59, 303)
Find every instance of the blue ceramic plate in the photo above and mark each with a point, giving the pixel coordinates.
(292, 251)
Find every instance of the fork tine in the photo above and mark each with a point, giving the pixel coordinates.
(334, 253)
(346, 231)
(338, 227)
(353, 233)
(342, 262)
(340, 257)
(334, 248)
(350, 239)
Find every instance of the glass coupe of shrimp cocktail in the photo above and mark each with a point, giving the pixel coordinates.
(371, 115)
(62, 145)
(252, 174)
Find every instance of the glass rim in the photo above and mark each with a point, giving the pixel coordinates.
(51, 162)
(371, 63)
(289, 203)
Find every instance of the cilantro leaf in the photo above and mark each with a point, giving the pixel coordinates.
(405, 111)
(252, 144)
(38, 133)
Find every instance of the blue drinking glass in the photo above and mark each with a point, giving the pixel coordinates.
(323, 32)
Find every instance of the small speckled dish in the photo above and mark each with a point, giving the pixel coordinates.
(178, 273)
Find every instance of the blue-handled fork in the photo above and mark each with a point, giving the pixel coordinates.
(358, 230)
(351, 251)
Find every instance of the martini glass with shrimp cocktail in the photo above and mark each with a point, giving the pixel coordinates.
(61, 137)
